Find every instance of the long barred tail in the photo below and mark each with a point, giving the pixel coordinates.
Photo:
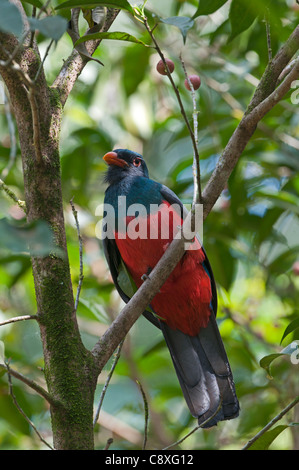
(204, 373)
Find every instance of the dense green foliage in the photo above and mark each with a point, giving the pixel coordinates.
(251, 236)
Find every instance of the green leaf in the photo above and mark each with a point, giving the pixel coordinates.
(283, 199)
(241, 15)
(121, 4)
(206, 8)
(266, 439)
(290, 350)
(91, 309)
(10, 19)
(132, 75)
(35, 3)
(184, 23)
(125, 280)
(116, 35)
(284, 261)
(294, 325)
(35, 237)
(52, 26)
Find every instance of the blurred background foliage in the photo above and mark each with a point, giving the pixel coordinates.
(251, 236)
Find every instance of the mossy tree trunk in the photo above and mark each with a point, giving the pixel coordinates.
(70, 369)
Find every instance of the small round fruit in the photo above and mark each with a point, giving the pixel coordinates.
(195, 80)
(295, 268)
(161, 67)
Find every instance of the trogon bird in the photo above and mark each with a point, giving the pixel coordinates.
(186, 305)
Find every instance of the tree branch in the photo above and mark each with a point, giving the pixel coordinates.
(76, 62)
(15, 53)
(30, 383)
(268, 103)
(264, 99)
(20, 318)
(197, 195)
(31, 90)
(274, 68)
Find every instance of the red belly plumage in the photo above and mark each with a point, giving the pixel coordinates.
(185, 298)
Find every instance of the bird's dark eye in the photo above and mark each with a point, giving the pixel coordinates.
(136, 162)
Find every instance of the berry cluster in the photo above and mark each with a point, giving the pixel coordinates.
(194, 79)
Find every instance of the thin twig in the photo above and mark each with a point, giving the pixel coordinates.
(115, 361)
(146, 414)
(81, 275)
(195, 428)
(196, 164)
(268, 33)
(30, 87)
(175, 88)
(16, 68)
(12, 196)
(20, 318)
(18, 48)
(43, 61)
(74, 64)
(270, 424)
(33, 385)
(32, 32)
(12, 137)
(261, 109)
(236, 105)
(35, 123)
(20, 409)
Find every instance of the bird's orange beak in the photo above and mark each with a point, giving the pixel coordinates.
(112, 159)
